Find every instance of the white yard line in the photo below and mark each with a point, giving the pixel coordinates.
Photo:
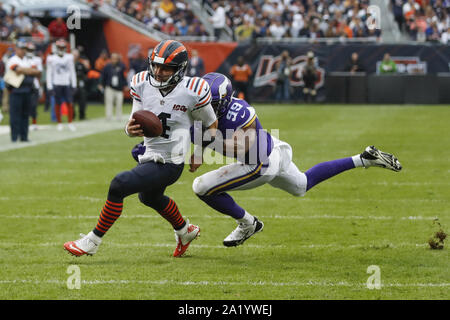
(49, 133)
(381, 245)
(156, 216)
(220, 283)
(249, 198)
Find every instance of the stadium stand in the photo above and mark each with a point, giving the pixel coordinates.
(258, 30)
(258, 18)
(423, 20)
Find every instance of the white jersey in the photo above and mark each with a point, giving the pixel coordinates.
(61, 71)
(35, 62)
(190, 100)
(16, 61)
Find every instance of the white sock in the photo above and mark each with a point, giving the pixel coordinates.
(183, 230)
(357, 161)
(247, 218)
(94, 237)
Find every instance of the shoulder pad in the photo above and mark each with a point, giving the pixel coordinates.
(139, 78)
(200, 90)
(136, 82)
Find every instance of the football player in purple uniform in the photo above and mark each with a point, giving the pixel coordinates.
(261, 158)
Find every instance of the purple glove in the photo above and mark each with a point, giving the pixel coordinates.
(137, 150)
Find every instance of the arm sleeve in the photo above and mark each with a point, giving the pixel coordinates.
(133, 91)
(137, 105)
(73, 74)
(205, 114)
(48, 75)
(11, 64)
(39, 65)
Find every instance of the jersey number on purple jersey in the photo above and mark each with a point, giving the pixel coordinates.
(234, 111)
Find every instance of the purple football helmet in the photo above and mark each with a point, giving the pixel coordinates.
(221, 92)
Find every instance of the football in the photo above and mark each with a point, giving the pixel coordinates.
(150, 123)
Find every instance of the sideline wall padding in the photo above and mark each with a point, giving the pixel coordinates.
(119, 37)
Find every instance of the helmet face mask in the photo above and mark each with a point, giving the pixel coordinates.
(168, 54)
(221, 92)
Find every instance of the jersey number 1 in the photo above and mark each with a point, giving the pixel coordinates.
(163, 117)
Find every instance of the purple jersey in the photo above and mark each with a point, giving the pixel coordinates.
(241, 115)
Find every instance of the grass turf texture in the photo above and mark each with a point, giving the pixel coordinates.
(316, 247)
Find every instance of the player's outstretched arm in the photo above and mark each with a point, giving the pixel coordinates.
(241, 141)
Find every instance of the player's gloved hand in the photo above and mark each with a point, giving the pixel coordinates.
(51, 92)
(138, 150)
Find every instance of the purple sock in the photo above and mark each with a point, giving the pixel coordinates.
(326, 170)
(225, 204)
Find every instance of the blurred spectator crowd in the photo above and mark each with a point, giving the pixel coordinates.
(19, 25)
(257, 18)
(423, 20)
(298, 18)
(174, 18)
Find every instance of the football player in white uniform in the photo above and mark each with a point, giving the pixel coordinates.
(178, 101)
(62, 81)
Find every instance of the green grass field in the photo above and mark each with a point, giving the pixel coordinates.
(316, 247)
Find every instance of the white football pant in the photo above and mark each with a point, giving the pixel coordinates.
(280, 173)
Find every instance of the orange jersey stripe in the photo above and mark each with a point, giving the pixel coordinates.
(201, 87)
(204, 100)
(134, 95)
(192, 83)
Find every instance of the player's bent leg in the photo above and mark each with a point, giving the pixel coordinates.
(185, 232)
(123, 185)
(211, 188)
(326, 170)
(291, 180)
